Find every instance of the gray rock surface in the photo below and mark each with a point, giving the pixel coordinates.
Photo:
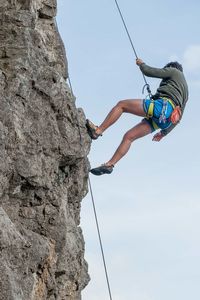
(43, 160)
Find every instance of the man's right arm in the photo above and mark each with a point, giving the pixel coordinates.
(153, 72)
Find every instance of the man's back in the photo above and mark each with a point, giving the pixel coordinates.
(173, 84)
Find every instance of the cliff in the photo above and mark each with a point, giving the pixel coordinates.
(43, 160)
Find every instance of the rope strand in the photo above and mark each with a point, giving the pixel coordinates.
(72, 93)
(93, 203)
(132, 45)
(126, 28)
(100, 241)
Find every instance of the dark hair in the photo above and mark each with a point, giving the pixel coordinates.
(174, 64)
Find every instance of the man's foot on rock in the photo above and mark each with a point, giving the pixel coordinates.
(101, 170)
(91, 128)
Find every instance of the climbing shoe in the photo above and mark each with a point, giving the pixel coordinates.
(103, 169)
(91, 128)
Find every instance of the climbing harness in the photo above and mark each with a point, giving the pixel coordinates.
(147, 86)
(150, 109)
(100, 241)
(162, 118)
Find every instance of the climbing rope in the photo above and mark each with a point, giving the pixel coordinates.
(100, 241)
(93, 203)
(77, 119)
(90, 186)
(72, 93)
(95, 212)
(147, 86)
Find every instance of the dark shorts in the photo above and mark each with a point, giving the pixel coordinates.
(154, 121)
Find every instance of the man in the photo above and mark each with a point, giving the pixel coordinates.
(163, 111)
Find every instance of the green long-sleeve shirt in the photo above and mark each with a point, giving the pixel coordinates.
(173, 86)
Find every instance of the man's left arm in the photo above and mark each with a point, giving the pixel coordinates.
(162, 133)
(166, 131)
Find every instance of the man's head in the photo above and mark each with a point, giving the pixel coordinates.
(174, 64)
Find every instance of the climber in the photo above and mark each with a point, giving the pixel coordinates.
(161, 111)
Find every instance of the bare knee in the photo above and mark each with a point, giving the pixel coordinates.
(129, 137)
(121, 105)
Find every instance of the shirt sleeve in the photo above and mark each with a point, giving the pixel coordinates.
(169, 129)
(156, 72)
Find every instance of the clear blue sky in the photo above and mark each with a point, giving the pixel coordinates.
(149, 207)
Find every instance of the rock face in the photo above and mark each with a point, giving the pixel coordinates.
(43, 160)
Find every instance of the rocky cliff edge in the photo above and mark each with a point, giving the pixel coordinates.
(43, 160)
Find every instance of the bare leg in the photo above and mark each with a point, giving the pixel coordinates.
(133, 106)
(136, 132)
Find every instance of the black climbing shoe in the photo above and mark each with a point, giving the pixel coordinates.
(91, 128)
(103, 169)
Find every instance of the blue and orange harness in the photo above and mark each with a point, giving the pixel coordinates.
(158, 112)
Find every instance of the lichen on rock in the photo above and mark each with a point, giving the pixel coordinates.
(43, 161)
